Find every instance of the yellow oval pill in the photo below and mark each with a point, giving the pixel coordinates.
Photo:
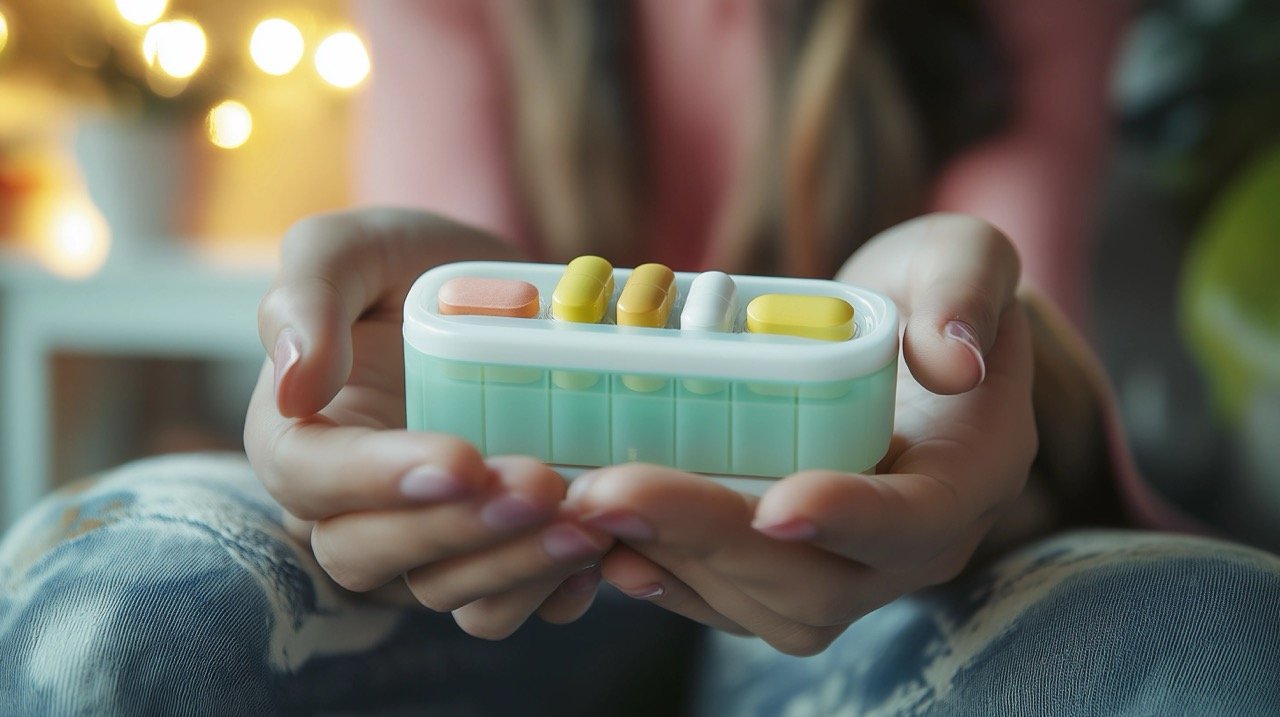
(584, 290)
(813, 317)
(647, 297)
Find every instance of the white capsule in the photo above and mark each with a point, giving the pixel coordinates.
(712, 303)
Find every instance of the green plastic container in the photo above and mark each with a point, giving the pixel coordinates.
(732, 405)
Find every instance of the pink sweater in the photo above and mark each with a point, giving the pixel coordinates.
(435, 136)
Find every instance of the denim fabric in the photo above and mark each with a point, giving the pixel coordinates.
(1093, 623)
(169, 587)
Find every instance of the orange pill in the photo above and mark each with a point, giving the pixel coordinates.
(475, 296)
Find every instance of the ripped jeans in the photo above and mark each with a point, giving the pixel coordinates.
(168, 586)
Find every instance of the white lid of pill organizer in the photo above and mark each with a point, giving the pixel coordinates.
(604, 347)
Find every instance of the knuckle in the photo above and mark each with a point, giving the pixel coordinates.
(826, 610)
(311, 233)
(518, 465)
(945, 569)
(801, 641)
(275, 478)
(531, 478)
(434, 590)
(324, 547)
(433, 595)
(275, 304)
(478, 623)
(455, 452)
(623, 484)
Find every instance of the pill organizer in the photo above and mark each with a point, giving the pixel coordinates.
(743, 406)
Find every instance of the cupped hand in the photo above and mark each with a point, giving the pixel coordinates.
(820, 548)
(484, 539)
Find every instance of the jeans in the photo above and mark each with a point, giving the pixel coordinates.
(169, 587)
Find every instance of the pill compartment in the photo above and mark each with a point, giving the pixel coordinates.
(585, 395)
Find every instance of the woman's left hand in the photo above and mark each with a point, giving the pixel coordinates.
(820, 549)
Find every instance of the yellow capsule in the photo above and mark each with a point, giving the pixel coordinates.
(813, 317)
(584, 290)
(647, 297)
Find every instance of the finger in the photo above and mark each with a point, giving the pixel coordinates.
(638, 577)
(559, 550)
(496, 617)
(317, 469)
(334, 269)
(362, 551)
(701, 532)
(298, 529)
(722, 607)
(953, 276)
(941, 485)
(573, 598)
(894, 523)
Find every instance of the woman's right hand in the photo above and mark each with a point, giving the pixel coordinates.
(484, 539)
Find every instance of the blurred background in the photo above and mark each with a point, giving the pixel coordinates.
(151, 155)
(152, 152)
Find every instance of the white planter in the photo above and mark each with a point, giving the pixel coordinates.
(138, 171)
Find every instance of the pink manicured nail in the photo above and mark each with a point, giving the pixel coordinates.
(622, 524)
(288, 352)
(964, 333)
(510, 511)
(429, 483)
(646, 592)
(564, 541)
(790, 530)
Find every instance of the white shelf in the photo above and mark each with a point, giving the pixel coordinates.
(198, 304)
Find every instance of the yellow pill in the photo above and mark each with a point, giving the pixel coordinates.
(647, 297)
(584, 290)
(813, 317)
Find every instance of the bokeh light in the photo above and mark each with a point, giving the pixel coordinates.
(229, 124)
(177, 47)
(77, 240)
(276, 46)
(4, 32)
(342, 60)
(141, 12)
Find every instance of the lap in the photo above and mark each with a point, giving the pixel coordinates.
(1086, 623)
(170, 586)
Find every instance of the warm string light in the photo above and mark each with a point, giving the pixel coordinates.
(4, 32)
(342, 60)
(177, 47)
(142, 12)
(77, 240)
(229, 124)
(276, 46)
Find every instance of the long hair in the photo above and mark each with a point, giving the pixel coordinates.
(839, 158)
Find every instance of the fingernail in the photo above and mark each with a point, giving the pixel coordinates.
(791, 529)
(565, 541)
(646, 592)
(964, 333)
(578, 486)
(429, 483)
(583, 581)
(510, 511)
(622, 524)
(288, 352)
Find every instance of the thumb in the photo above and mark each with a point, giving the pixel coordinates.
(334, 268)
(305, 320)
(953, 276)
